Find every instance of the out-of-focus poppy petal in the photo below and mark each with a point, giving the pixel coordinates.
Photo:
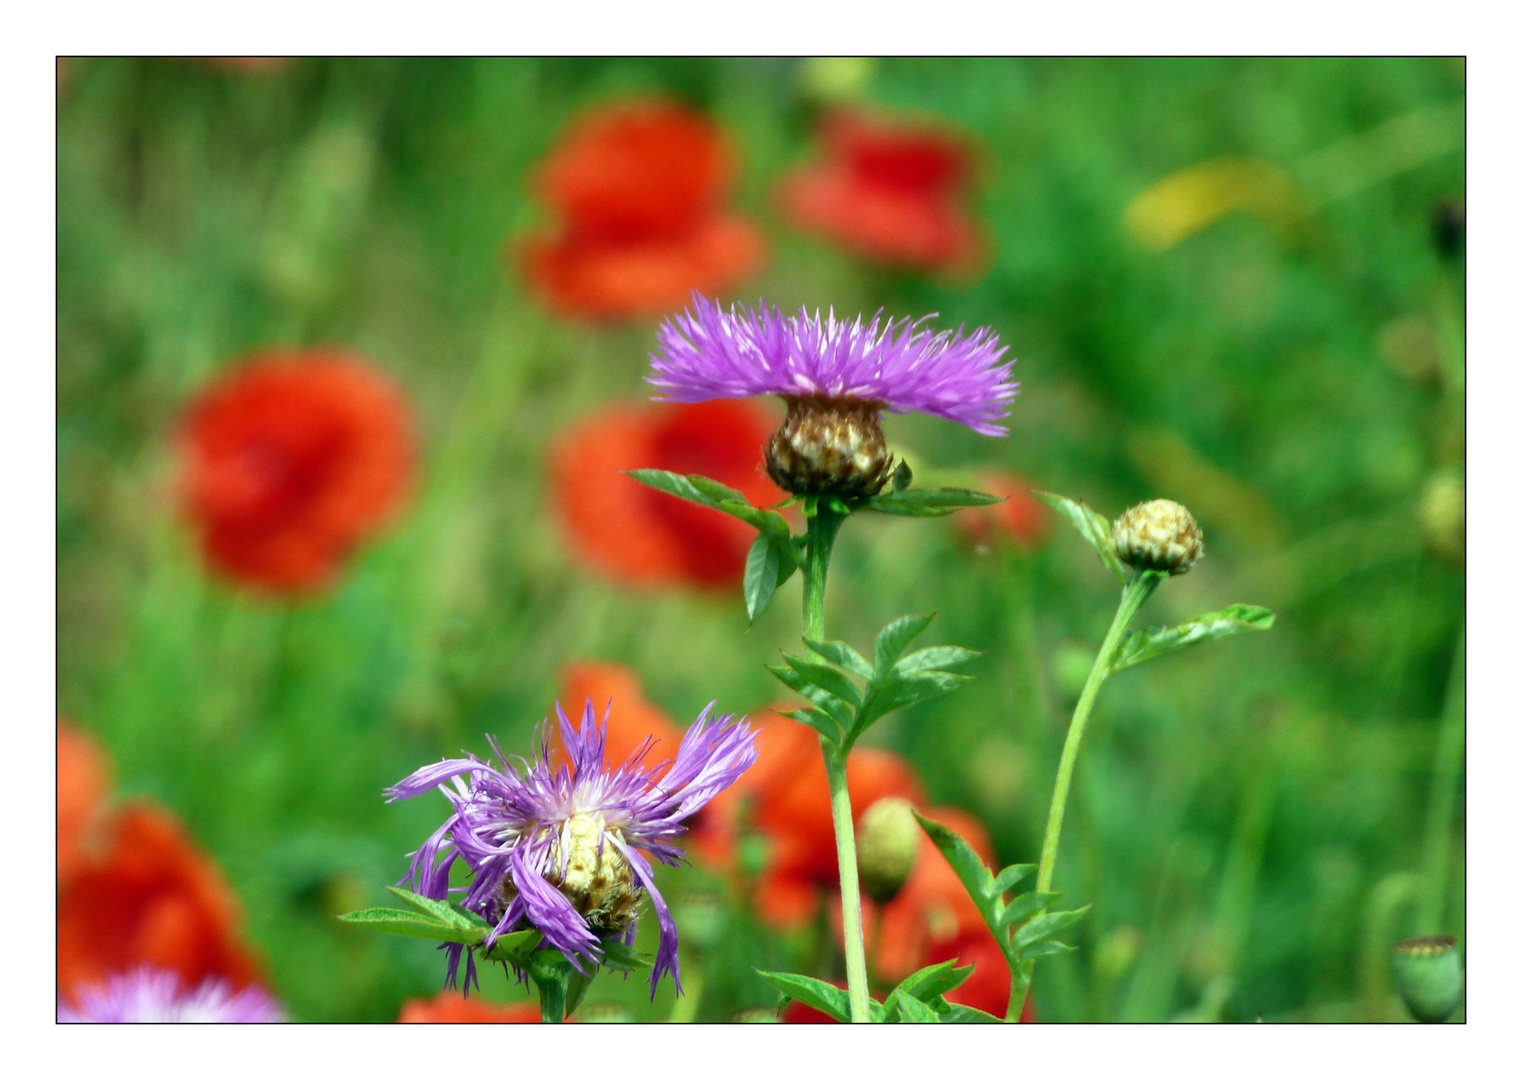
(1021, 519)
(83, 781)
(152, 898)
(289, 460)
(646, 537)
(451, 1007)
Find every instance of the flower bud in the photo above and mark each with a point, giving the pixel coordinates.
(829, 446)
(887, 842)
(1429, 978)
(1159, 535)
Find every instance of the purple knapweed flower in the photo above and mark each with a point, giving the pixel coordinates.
(564, 851)
(836, 376)
(150, 996)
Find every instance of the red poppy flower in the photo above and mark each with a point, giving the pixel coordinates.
(83, 782)
(889, 190)
(1021, 519)
(645, 537)
(152, 897)
(289, 461)
(639, 188)
(451, 1007)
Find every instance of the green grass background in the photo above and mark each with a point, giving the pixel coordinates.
(1237, 808)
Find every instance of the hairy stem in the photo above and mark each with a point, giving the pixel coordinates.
(823, 527)
(1135, 594)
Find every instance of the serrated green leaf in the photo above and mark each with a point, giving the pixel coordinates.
(896, 693)
(446, 912)
(763, 571)
(1090, 525)
(1043, 927)
(708, 492)
(841, 655)
(927, 502)
(975, 877)
(1011, 876)
(911, 1010)
(1026, 905)
(826, 678)
(822, 700)
(1045, 948)
(966, 1014)
(893, 639)
(936, 656)
(932, 982)
(820, 722)
(1140, 646)
(828, 999)
(411, 924)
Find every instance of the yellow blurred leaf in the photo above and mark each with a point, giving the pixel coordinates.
(1193, 199)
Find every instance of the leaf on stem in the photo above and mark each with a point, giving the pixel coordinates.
(894, 638)
(828, 999)
(708, 492)
(926, 502)
(841, 655)
(767, 566)
(1094, 528)
(1140, 646)
(931, 982)
(410, 924)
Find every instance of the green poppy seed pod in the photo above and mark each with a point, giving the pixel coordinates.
(1159, 535)
(887, 842)
(1429, 978)
(829, 446)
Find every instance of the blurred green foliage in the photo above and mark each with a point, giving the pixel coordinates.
(1298, 385)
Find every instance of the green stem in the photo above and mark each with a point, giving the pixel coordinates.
(1445, 782)
(1135, 594)
(685, 1011)
(823, 527)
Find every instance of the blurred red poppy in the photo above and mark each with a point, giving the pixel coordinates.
(289, 461)
(1021, 519)
(83, 782)
(641, 536)
(451, 1007)
(889, 190)
(150, 897)
(639, 188)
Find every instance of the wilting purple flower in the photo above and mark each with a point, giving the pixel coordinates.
(564, 850)
(705, 353)
(151, 996)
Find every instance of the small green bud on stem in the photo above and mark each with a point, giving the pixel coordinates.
(887, 843)
(1429, 977)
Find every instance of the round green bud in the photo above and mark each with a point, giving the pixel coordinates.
(887, 842)
(1429, 977)
(1159, 535)
(756, 1015)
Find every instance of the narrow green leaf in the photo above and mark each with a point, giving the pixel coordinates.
(966, 1014)
(893, 639)
(936, 656)
(709, 492)
(931, 982)
(816, 993)
(515, 947)
(823, 701)
(575, 990)
(826, 678)
(1026, 905)
(896, 693)
(451, 914)
(1011, 876)
(820, 722)
(1045, 948)
(841, 655)
(763, 568)
(975, 877)
(1043, 927)
(927, 502)
(411, 924)
(714, 490)
(1140, 646)
(903, 476)
(911, 1008)
(1094, 528)
(621, 957)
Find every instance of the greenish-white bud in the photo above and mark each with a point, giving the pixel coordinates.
(1159, 535)
(1429, 977)
(887, 843)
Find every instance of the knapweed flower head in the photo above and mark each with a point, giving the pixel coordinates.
(836, 375)
(289, 461)
(148, 995)
(566, 849)
(1160, 535)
